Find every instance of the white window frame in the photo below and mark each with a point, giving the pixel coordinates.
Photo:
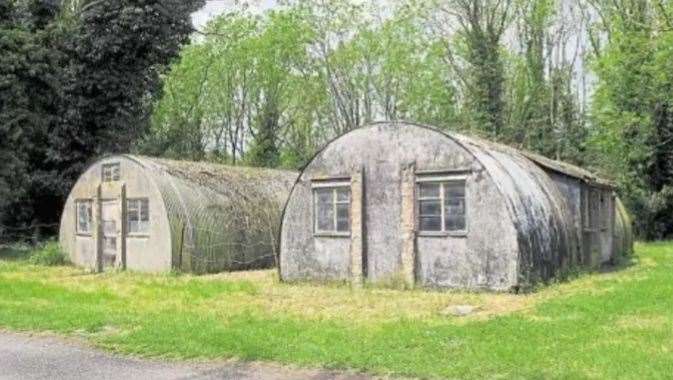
(334, 186)
(111, 172)
(442, 181)
(89, 203)
(148, 223)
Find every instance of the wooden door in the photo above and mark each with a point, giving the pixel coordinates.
(110, 224)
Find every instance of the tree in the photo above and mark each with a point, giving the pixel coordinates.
(76, 83)
(542, 111)
(280, 85)
(631, 111)
(477, 57)
(28, 105)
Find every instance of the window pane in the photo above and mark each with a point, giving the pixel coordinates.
(138, 215)
(133, 214)
(429, 190)
(430, 223)
(430, 208)
(110, 172)
(454, 206)
(84, 216)
(133, 226)
(144, 210)
(454, 190)
(343, 194)
(324, 209)
(455, 223)
(343, 217)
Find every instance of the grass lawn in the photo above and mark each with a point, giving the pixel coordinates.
(605, 325)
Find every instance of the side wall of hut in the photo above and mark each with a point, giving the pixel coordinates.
(593, 218)
(221, 217)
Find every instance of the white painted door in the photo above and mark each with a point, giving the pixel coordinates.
(110, 223)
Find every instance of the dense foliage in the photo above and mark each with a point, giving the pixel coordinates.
(271, 89)
(77, 79)
(585, 81)
(632, 134)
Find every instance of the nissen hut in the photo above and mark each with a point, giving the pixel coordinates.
(150, 214)
(397, 201)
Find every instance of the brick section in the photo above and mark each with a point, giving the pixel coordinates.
(357, 229)
(408, 221)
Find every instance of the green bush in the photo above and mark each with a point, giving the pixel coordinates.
(48, 254)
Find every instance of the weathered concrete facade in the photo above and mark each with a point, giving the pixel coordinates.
(153, 215)
(507, 220)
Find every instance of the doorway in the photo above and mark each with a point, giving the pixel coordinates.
(110, 225)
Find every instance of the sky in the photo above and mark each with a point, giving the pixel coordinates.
(214, 8)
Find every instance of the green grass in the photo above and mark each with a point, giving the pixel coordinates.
(617, 324)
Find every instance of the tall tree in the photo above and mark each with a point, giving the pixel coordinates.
(542, 110)
(116, 53)
(76, 83)
(632, 107)
(28, 105)
(478, 57)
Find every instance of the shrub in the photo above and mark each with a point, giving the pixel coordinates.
(48, 254)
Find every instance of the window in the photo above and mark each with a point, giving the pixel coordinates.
(110, 172)
(441, 206)
(604, 213)
(592, 210)
(84, 216)
(332, 209)
(138, 216)
(585, 208)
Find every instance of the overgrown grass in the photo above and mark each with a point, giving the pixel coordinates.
(48, 254)
(616, 324)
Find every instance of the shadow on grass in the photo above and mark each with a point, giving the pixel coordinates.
(620, 264)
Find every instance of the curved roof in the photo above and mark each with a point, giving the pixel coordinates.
(546, 231)
(227, 180)
(221, 217)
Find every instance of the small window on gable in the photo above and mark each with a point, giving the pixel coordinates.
(84, 209)
(138, 216)
(331, 203)
(110, 172)
(441, 206)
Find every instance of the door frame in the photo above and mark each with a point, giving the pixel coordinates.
(111, 192)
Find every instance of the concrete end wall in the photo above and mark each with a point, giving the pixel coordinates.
(383, 151)
(149, 253)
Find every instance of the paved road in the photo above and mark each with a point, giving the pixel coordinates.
(40, 357)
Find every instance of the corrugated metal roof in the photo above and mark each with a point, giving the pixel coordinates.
(222, 178)
(545, 162)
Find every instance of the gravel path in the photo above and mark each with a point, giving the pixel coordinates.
(47, 357)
